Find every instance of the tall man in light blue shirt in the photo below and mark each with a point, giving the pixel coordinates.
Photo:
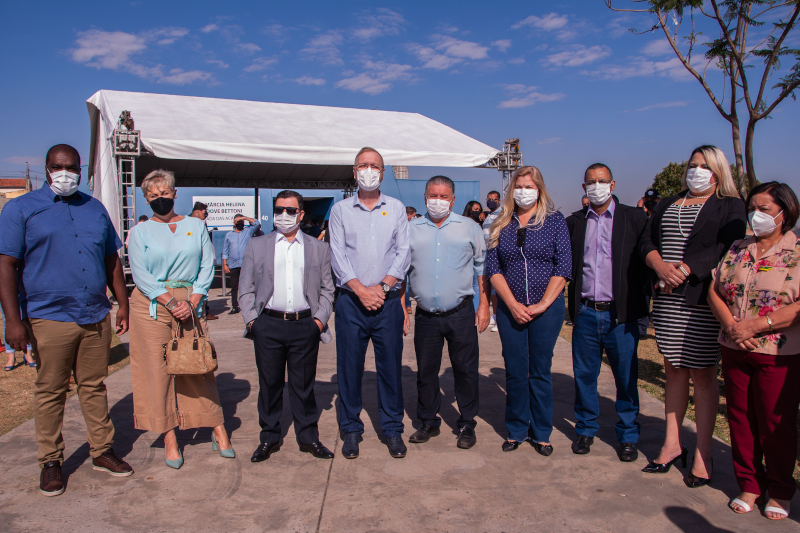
(233, 252)
(446, 251)
(369, 256)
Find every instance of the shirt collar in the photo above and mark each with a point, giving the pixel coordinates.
(357, 202)
(608, 212)
(787, 243)
(452, 217)
(299, 238)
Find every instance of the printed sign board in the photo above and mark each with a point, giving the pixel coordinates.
(222, 208)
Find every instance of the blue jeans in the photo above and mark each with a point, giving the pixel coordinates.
(594, 331)
(355, 326)
(528, 354)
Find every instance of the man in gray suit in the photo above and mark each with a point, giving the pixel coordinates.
(286, 297)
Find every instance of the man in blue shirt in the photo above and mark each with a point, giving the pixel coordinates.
(447, 250)
(64, 246)
(233, 252)
(369, 256)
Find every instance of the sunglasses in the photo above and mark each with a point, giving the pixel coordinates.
(278, 209)
(521, 232)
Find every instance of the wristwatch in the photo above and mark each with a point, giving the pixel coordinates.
(386, 287)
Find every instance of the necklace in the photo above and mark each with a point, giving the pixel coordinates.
(690, 195)
(680, 208)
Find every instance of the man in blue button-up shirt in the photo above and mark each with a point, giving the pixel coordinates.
(369, 256)
(233, 252)
(447, 250)
(65, 247)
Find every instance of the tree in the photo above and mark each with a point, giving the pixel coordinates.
(733, 20)
(668, 181)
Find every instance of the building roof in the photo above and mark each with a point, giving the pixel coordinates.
(16, 183)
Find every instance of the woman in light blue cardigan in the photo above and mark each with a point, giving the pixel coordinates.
(172, 262)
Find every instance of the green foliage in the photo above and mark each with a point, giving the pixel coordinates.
(668, 181)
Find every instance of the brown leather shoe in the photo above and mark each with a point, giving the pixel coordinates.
(212, 317)
(109, 462)
(50, 481)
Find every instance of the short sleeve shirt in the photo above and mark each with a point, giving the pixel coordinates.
(62, 247)
(754, 288)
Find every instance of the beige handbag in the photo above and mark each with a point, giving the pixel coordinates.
(190, 355)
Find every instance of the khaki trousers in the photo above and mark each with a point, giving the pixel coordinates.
(64, 347)
(162, 402)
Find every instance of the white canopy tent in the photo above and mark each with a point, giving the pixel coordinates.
(234, 143)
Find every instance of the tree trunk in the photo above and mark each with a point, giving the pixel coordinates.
(748, 153)
(737, 152)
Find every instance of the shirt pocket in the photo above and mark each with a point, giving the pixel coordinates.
(458, 255)
(771, 280)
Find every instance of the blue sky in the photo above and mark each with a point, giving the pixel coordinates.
(567, 78)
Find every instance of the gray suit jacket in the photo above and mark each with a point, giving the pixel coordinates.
(257, 279)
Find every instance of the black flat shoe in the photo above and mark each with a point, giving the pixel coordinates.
(317, 449)
(397, 447)
(663, 468)
(627, 452)
(350, 445)
(424, 434)
(466, 438)
(693, 481)
(583, 445)
(510, 445)
(263, 452)
(543, 449)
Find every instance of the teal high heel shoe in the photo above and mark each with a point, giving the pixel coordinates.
(228, 454)
(175, 463)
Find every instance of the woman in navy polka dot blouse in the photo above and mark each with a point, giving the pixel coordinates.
(528, 264)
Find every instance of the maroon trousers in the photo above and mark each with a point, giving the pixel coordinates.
(763, 394)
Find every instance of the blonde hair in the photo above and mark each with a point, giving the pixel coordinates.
(718, 164)
(158, 178)
(544, 204)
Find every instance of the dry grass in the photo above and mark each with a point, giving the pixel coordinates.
(16, 386)
(652, 378)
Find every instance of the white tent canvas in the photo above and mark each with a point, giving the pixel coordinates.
(217, 130)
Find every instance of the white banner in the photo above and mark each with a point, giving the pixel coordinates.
(221, 209)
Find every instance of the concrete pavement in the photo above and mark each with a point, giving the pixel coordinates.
(437, 487)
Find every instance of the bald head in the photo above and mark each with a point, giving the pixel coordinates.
(62, 149)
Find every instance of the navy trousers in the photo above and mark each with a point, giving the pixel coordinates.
(593, 332)
(355, 326)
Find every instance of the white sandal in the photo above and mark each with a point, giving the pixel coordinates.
(776, 510)
(740, 503)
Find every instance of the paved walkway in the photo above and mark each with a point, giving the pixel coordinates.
(437, 487)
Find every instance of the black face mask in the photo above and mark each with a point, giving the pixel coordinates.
(162, 206)
(239, 226)
(476, 215)
(492, 204)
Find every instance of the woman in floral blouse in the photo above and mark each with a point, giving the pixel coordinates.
(756, 298)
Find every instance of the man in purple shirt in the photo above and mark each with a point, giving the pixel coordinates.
(606, 299)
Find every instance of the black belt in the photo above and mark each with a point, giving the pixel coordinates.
(288, 316)
(597, 306)
(389, 295)
(464, 303)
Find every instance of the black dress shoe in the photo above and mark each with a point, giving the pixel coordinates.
(693, 481)
(583, 445)
(543, 449)
(350, 445)
(466, 438)
(628, 452)
(424, 434)
(263, 452)
(317, 449)
(662, 468)
(397, 448)
(510, 445)
(233, 311)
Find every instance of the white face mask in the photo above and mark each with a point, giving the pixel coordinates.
(598, 193)
(698, 179)
(369, 179)
(65, 183)
(525, 198)
(762, 223)
(437, 208)
(286, 223)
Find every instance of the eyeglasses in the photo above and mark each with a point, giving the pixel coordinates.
(365, 166)
(278, 209)
(521, 233)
